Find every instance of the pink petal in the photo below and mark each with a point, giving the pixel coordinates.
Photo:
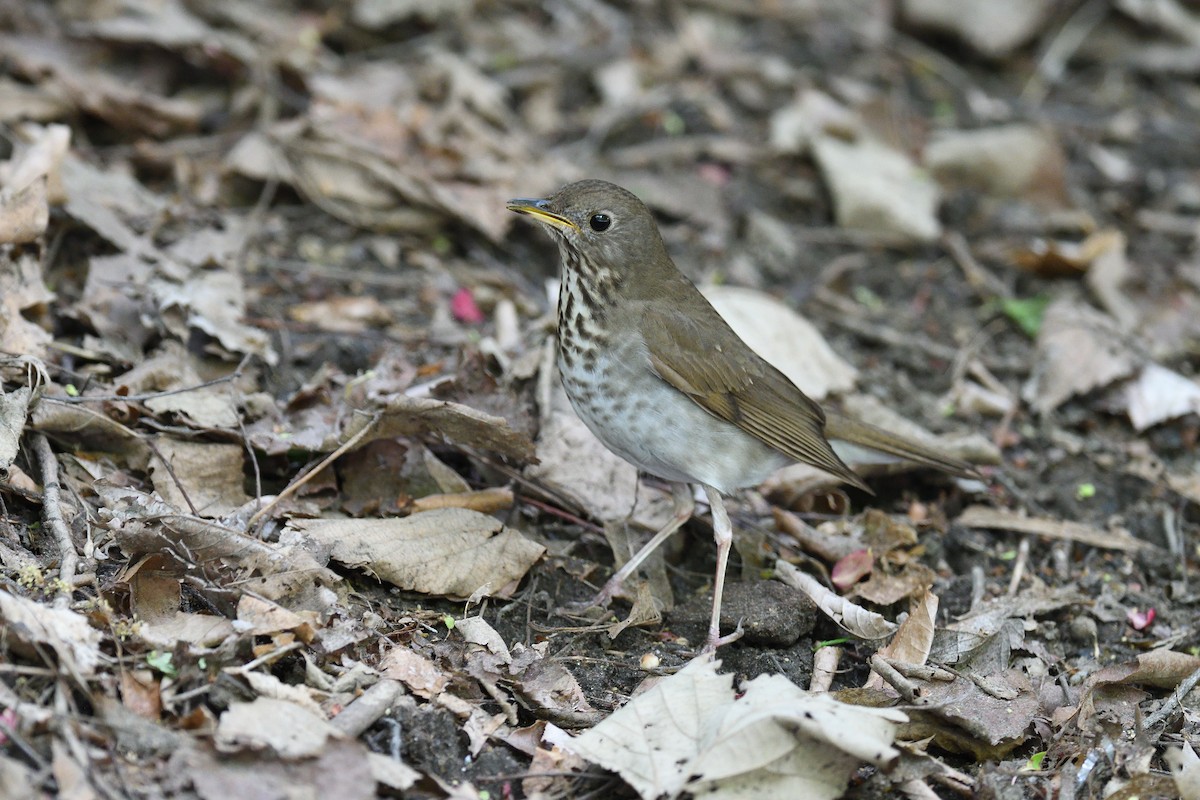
(464, 307)
(850, 569)
(1140, 620)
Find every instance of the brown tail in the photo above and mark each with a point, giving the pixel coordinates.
(864, 435)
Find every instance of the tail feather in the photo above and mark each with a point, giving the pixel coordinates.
(868, 436)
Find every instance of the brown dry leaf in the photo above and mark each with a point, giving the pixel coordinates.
(142, 523)
(1114, 539)
(1163, 669)
(260, 617)
(422, 677)
(878, 189)
(30, 626)
(70, 777)
(1079, 350)
(24, 212)
(1070, 259)
(986, 637)
(141, 693)
(884, 588)
(549, 688)
(287, 729)
(23, 295)
(452, 552)
(988, 719)
(914, 637)
(646, 610)
(1185, 769)
(343, 314)
(214, 302)
(690, 732)
(341, 769)
(76, 69)
(90, 429)
(208, 407)
(1007, 161)
(16, 779)
(210, 474)
(476, 630)
(14, 407)
(991, 30)
(168, 24)
(371, 151)
(21, 102)
(423, 416)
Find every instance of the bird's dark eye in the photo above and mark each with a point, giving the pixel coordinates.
(600, 222)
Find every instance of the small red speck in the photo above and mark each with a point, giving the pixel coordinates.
(464, 308)
(1139, 620)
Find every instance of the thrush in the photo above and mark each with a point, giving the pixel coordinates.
(663, 381)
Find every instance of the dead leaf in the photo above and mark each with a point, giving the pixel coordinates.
(854, 618)
(422, 677)
(914, 637)
(30, 625)
(452, 552)
(691, 733)
(210, 474)
(423, 416)
(1078, 350)
(1159, 394)
(878, 189)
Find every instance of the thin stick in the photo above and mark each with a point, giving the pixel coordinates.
(295, 485)
(52, 509)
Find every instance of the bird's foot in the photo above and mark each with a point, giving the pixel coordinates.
(715, 640)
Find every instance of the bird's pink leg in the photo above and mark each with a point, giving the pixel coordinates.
(684, 508)
(723, 534)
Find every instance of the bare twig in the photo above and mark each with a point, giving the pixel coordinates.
(1019, 568)
(52, 509)
(299, 482)
(1172, 703)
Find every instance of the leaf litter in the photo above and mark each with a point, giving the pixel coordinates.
(290, 496)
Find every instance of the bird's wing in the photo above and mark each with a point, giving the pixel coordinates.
(735, 384)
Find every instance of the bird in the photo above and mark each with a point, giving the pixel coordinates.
(655, 372)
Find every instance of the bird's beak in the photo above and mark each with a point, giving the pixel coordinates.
(539, 210)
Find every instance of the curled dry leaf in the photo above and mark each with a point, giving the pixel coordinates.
(985, 719)
(854, 618)
(13, 408)
(1185, 769)
(422, 677)
(477, 631)
(451, 552)
(423, 416)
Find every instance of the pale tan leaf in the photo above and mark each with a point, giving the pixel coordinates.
(452, 552)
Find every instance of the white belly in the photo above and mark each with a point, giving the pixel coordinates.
(659, 429)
